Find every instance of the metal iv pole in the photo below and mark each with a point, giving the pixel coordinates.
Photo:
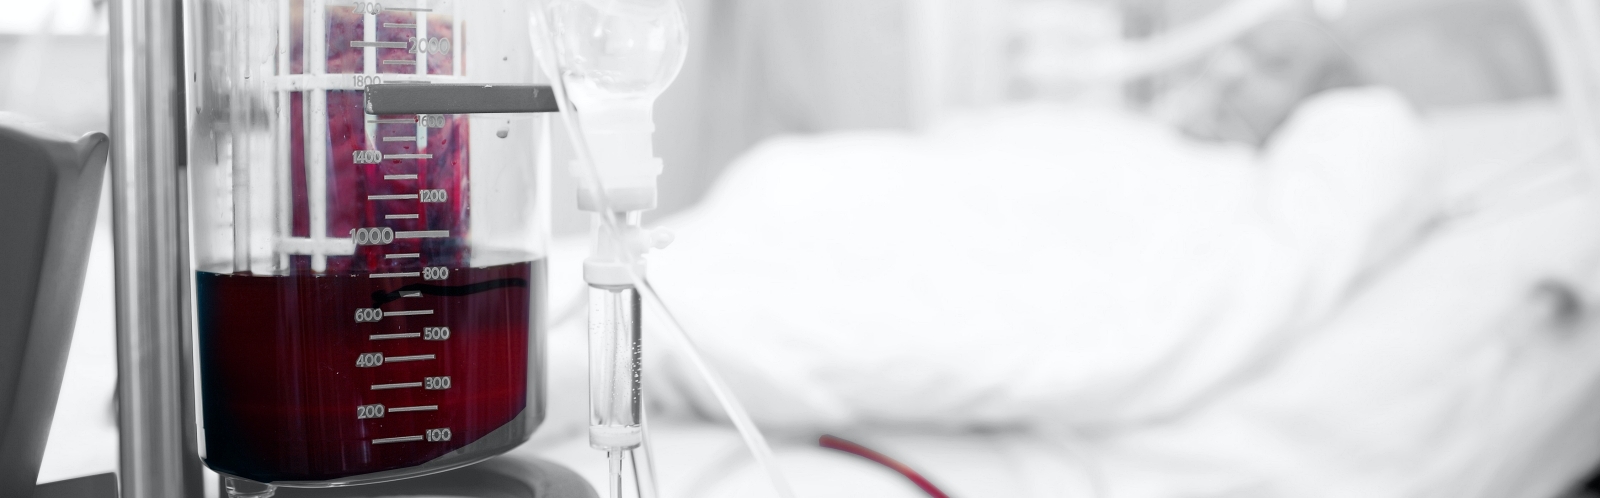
(155, 408)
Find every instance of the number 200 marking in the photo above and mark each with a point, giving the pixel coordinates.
(369, 411)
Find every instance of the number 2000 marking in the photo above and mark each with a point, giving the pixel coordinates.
(415, 45)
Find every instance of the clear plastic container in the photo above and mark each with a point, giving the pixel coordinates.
(369, 289)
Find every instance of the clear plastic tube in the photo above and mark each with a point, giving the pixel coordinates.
(614, 361)
(590, 177)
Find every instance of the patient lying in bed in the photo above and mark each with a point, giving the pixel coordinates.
(1032, 266)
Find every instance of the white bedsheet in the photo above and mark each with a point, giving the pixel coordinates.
(1039, 268)
(1454, 369)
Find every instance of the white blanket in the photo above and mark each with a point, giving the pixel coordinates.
(1031, 268)
(1246, 355)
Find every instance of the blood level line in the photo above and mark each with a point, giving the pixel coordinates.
(380, 337)
(415, 357)
(401, 385)
(406, 439)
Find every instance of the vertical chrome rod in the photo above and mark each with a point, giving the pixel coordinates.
(147, 105)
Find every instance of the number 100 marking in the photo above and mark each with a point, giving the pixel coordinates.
(438, 435)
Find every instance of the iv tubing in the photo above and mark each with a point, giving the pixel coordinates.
(759, 449)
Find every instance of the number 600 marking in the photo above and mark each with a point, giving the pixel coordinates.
(368, 315)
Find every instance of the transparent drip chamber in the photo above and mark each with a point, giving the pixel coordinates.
(369, 289)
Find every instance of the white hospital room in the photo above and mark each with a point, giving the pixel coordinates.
(800, 248)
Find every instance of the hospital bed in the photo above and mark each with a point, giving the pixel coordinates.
(1464, 365)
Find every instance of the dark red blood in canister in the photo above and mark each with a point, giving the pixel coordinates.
(279, 375)
(281, 382)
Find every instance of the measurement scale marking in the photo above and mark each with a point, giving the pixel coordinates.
(419, 357)
(408, 9)
(391, 197)
(395, 275)
(402, 385)
(387, 440)
(411, 294)
(393, 121)
(399, 25)
(399, 177)
(424, 234)
(408, 156)
(377, 44)
(408, 313)
(400, 139)
(380, 337)
(407, 255)
(399, 62)
(425, 408)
